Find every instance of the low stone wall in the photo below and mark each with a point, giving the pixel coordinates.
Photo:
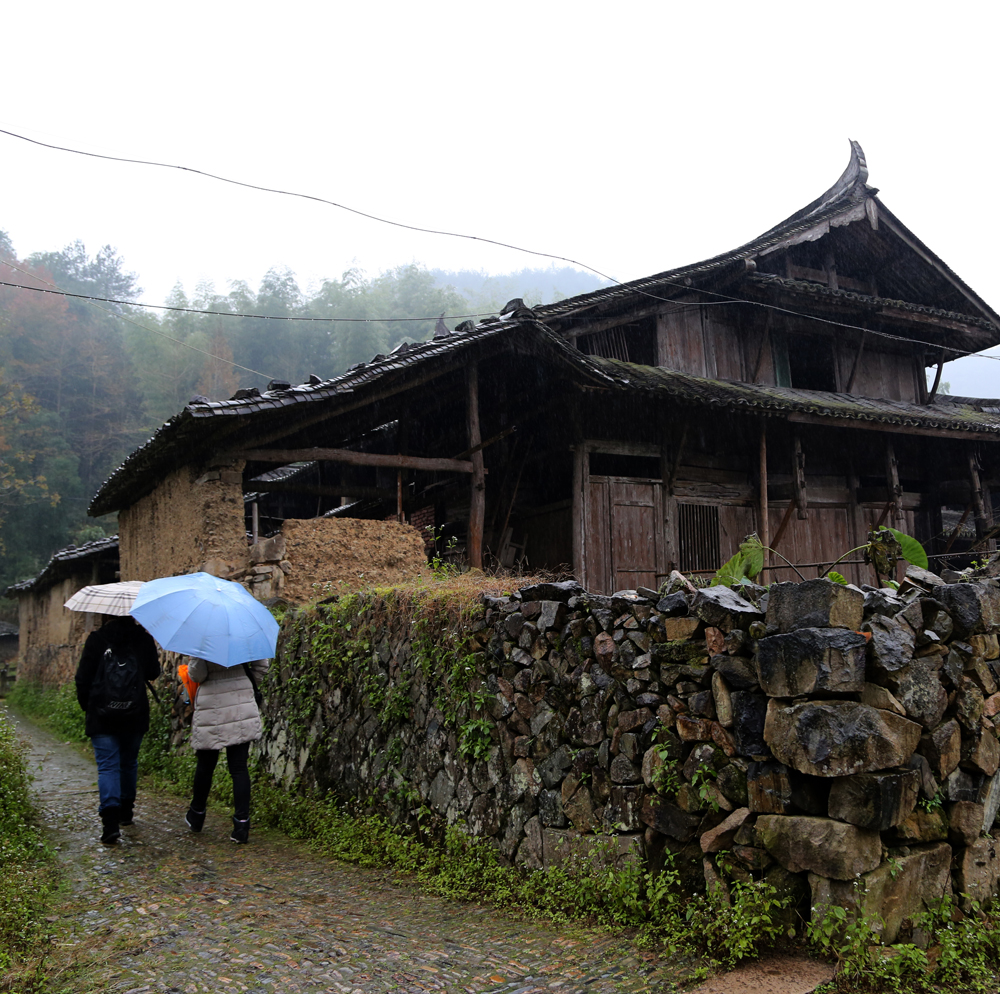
(839, 743)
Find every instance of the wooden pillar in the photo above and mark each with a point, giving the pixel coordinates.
(892, 481)
(254, 522)
(477, 502)
(579, 509)
(762, 513)
(799, 480)
(978, 504)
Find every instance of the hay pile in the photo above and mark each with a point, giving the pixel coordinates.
(338, 555)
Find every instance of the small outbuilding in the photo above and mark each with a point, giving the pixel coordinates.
(51, 638)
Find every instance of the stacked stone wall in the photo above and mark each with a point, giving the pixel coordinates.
(839, 743)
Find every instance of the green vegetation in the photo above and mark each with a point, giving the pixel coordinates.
(82, 383)
(25, 871)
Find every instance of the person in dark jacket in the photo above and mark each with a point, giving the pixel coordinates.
(116, 738)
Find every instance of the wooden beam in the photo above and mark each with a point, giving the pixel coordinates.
(799, 479)
(354, 458)
(978, 504)
(937, 379)
(318, 489)
(477, 502)
(833, 422)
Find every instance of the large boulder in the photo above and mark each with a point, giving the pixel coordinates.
(974, 607)
(812, 660)
(917, 687)
(942, 748)
(749, 714)
(838, 738)
(875, 800)
(892, 643)
(829, 848)
(723, 608)
(977, 872)
(891, 893)
(667, 818)
(817, 603)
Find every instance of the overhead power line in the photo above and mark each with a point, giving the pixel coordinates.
(223, 314)
(722, 298)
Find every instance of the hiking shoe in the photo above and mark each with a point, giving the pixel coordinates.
(126, 809)
(194, 820)
(109, 819)
(241, 831)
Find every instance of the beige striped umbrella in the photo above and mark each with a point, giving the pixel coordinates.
(105, 598)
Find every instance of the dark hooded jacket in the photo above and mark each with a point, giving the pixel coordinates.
(119, 634)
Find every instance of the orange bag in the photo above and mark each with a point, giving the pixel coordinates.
(189, 685)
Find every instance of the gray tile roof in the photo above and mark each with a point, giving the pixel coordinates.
(62, 563)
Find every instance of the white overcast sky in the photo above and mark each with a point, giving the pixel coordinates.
(632, 137)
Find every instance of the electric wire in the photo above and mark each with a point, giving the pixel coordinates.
(123, 317)
(723, 298)
(225, 314)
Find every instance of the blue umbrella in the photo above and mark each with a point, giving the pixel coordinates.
(201, 615)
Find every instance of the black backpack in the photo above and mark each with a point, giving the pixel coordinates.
(118, 691)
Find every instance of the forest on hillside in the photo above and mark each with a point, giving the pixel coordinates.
(83, 382)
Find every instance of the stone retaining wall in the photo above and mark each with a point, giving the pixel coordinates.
(837, 742)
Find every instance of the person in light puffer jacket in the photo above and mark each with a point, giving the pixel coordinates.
(226, 716)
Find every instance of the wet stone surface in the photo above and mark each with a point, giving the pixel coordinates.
(168, 911)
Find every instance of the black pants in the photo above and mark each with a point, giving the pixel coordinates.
(236, 760)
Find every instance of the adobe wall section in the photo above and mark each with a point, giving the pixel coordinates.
(193, 516)
(51, 637)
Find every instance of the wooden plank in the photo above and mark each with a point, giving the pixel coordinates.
(598, 537)
(477, 498)
(617, 448)
(354, 458)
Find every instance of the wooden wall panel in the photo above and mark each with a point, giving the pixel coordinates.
(680, 344)
(825, 535)
(735, 523)
(723, 349)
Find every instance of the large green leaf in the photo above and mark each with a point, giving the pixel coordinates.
(913, 551)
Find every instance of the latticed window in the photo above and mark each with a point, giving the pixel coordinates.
(698, 537)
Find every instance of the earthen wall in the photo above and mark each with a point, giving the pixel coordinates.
(193, 516)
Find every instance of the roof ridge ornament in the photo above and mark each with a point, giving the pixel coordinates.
(852, 185)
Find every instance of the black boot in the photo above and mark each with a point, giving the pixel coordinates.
(127, 805)
(194, 820)
(110, 819)
(241, 831)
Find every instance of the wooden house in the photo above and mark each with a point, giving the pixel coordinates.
(780, 388)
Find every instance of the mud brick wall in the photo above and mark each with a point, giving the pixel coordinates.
(193, 516)
(51, 638)
(816, 735)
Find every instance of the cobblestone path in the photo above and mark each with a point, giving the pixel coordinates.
(167, 910)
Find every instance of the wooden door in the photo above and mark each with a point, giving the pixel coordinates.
(634, 534)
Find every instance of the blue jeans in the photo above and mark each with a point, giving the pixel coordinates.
(117, 767)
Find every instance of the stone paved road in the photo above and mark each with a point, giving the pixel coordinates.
(166, 910)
